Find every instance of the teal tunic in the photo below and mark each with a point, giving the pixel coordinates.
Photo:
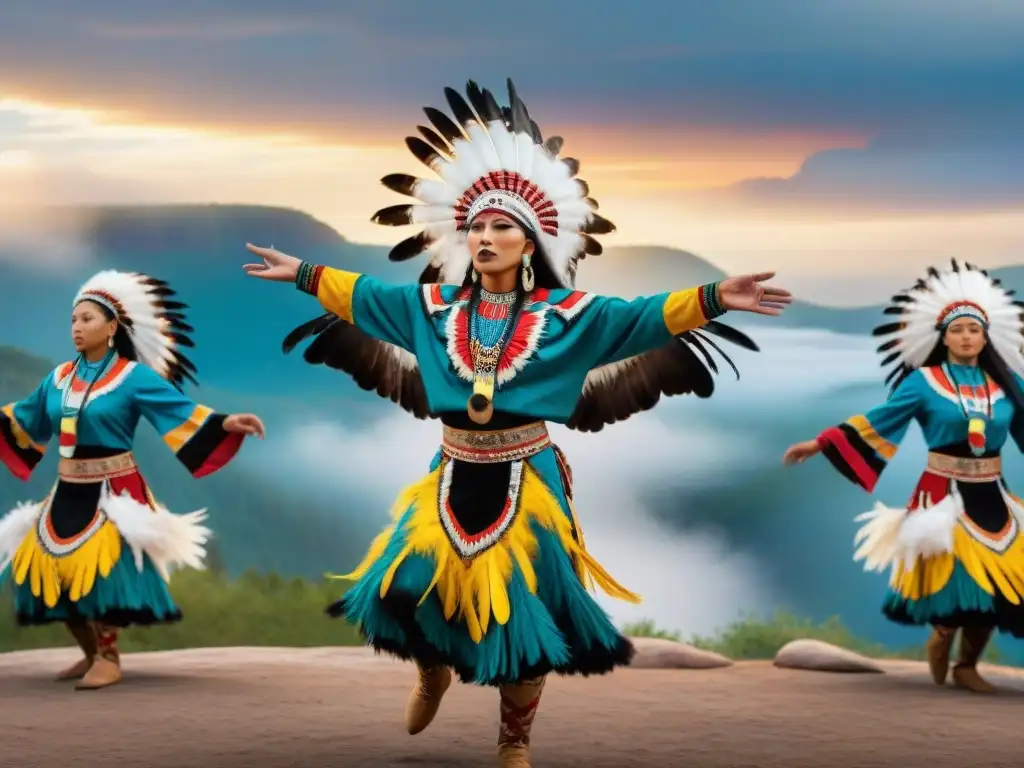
(66, 527)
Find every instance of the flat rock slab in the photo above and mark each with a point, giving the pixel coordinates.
(658, 653)
(823, 657)
(331, 707)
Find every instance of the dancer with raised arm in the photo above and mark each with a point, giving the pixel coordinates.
(484, 570)
(96, 553)
(955, 549)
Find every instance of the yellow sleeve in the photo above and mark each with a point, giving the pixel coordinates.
(333, 288)
(691, 308)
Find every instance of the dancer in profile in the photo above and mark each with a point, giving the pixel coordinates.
(955, 550)
(96, 553)
(484, 570)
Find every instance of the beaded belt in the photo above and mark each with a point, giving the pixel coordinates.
(966, 469)
(95, 470)
(494, 446)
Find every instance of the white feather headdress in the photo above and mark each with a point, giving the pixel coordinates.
(491, 158)
(153, 321)
(932, 303)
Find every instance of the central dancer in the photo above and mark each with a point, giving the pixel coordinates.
(484, 570)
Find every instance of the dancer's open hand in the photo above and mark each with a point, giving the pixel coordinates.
(801, 452)
(245, 423)
(276, 266)
(744, 293)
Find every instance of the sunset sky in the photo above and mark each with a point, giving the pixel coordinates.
(846, 143)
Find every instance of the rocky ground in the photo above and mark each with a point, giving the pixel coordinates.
(342, 707)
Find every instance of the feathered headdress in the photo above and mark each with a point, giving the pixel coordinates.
(152, 320)
(926, 310)
(491, 158)
(496, 158)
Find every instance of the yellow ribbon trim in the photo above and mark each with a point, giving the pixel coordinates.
(988, 569)
(477, 590)
(870, 435)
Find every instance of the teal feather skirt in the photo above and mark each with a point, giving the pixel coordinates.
(498, 598)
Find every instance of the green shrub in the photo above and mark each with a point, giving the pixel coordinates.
(253, 609)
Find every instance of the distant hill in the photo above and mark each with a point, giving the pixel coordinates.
(199, 249)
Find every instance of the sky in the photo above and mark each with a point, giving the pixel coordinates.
(831, 140)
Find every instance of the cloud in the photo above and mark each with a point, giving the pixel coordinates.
(43, 240)
(894, 174)
(865, 67)
(692, 581)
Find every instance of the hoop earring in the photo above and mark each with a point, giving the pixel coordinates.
(527, 273)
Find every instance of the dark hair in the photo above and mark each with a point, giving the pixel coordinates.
(992, 363)
(122, 341)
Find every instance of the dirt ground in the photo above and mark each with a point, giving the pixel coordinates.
(312, 708)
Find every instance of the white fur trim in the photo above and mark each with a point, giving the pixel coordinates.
(171, 541)
(14, 527)
(891, 536)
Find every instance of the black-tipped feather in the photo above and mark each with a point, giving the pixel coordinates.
(425, 153)
(590, 246)
(402, 183)
(438, 144)
(573, 163)
(711, 342)
(394, 215)
(411, 247)
(730, 334)
(886, 329)
(486, 109)
(444, 124)
(553, 144)
(462, 111)
(598, 225)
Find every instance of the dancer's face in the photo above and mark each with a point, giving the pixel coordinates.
(90, 327)
(497, 244)
(965, 338)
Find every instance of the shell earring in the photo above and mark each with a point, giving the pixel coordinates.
(527, 272)
(110, 342)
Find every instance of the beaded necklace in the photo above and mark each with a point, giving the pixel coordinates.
(486, 347)
(975, 423)
(70, 414)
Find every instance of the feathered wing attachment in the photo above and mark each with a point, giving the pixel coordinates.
(151, 316)
(491, 157)
(922, 311)
(684, 366)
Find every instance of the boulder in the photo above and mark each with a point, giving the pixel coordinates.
(658, 653)
(823, 657)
